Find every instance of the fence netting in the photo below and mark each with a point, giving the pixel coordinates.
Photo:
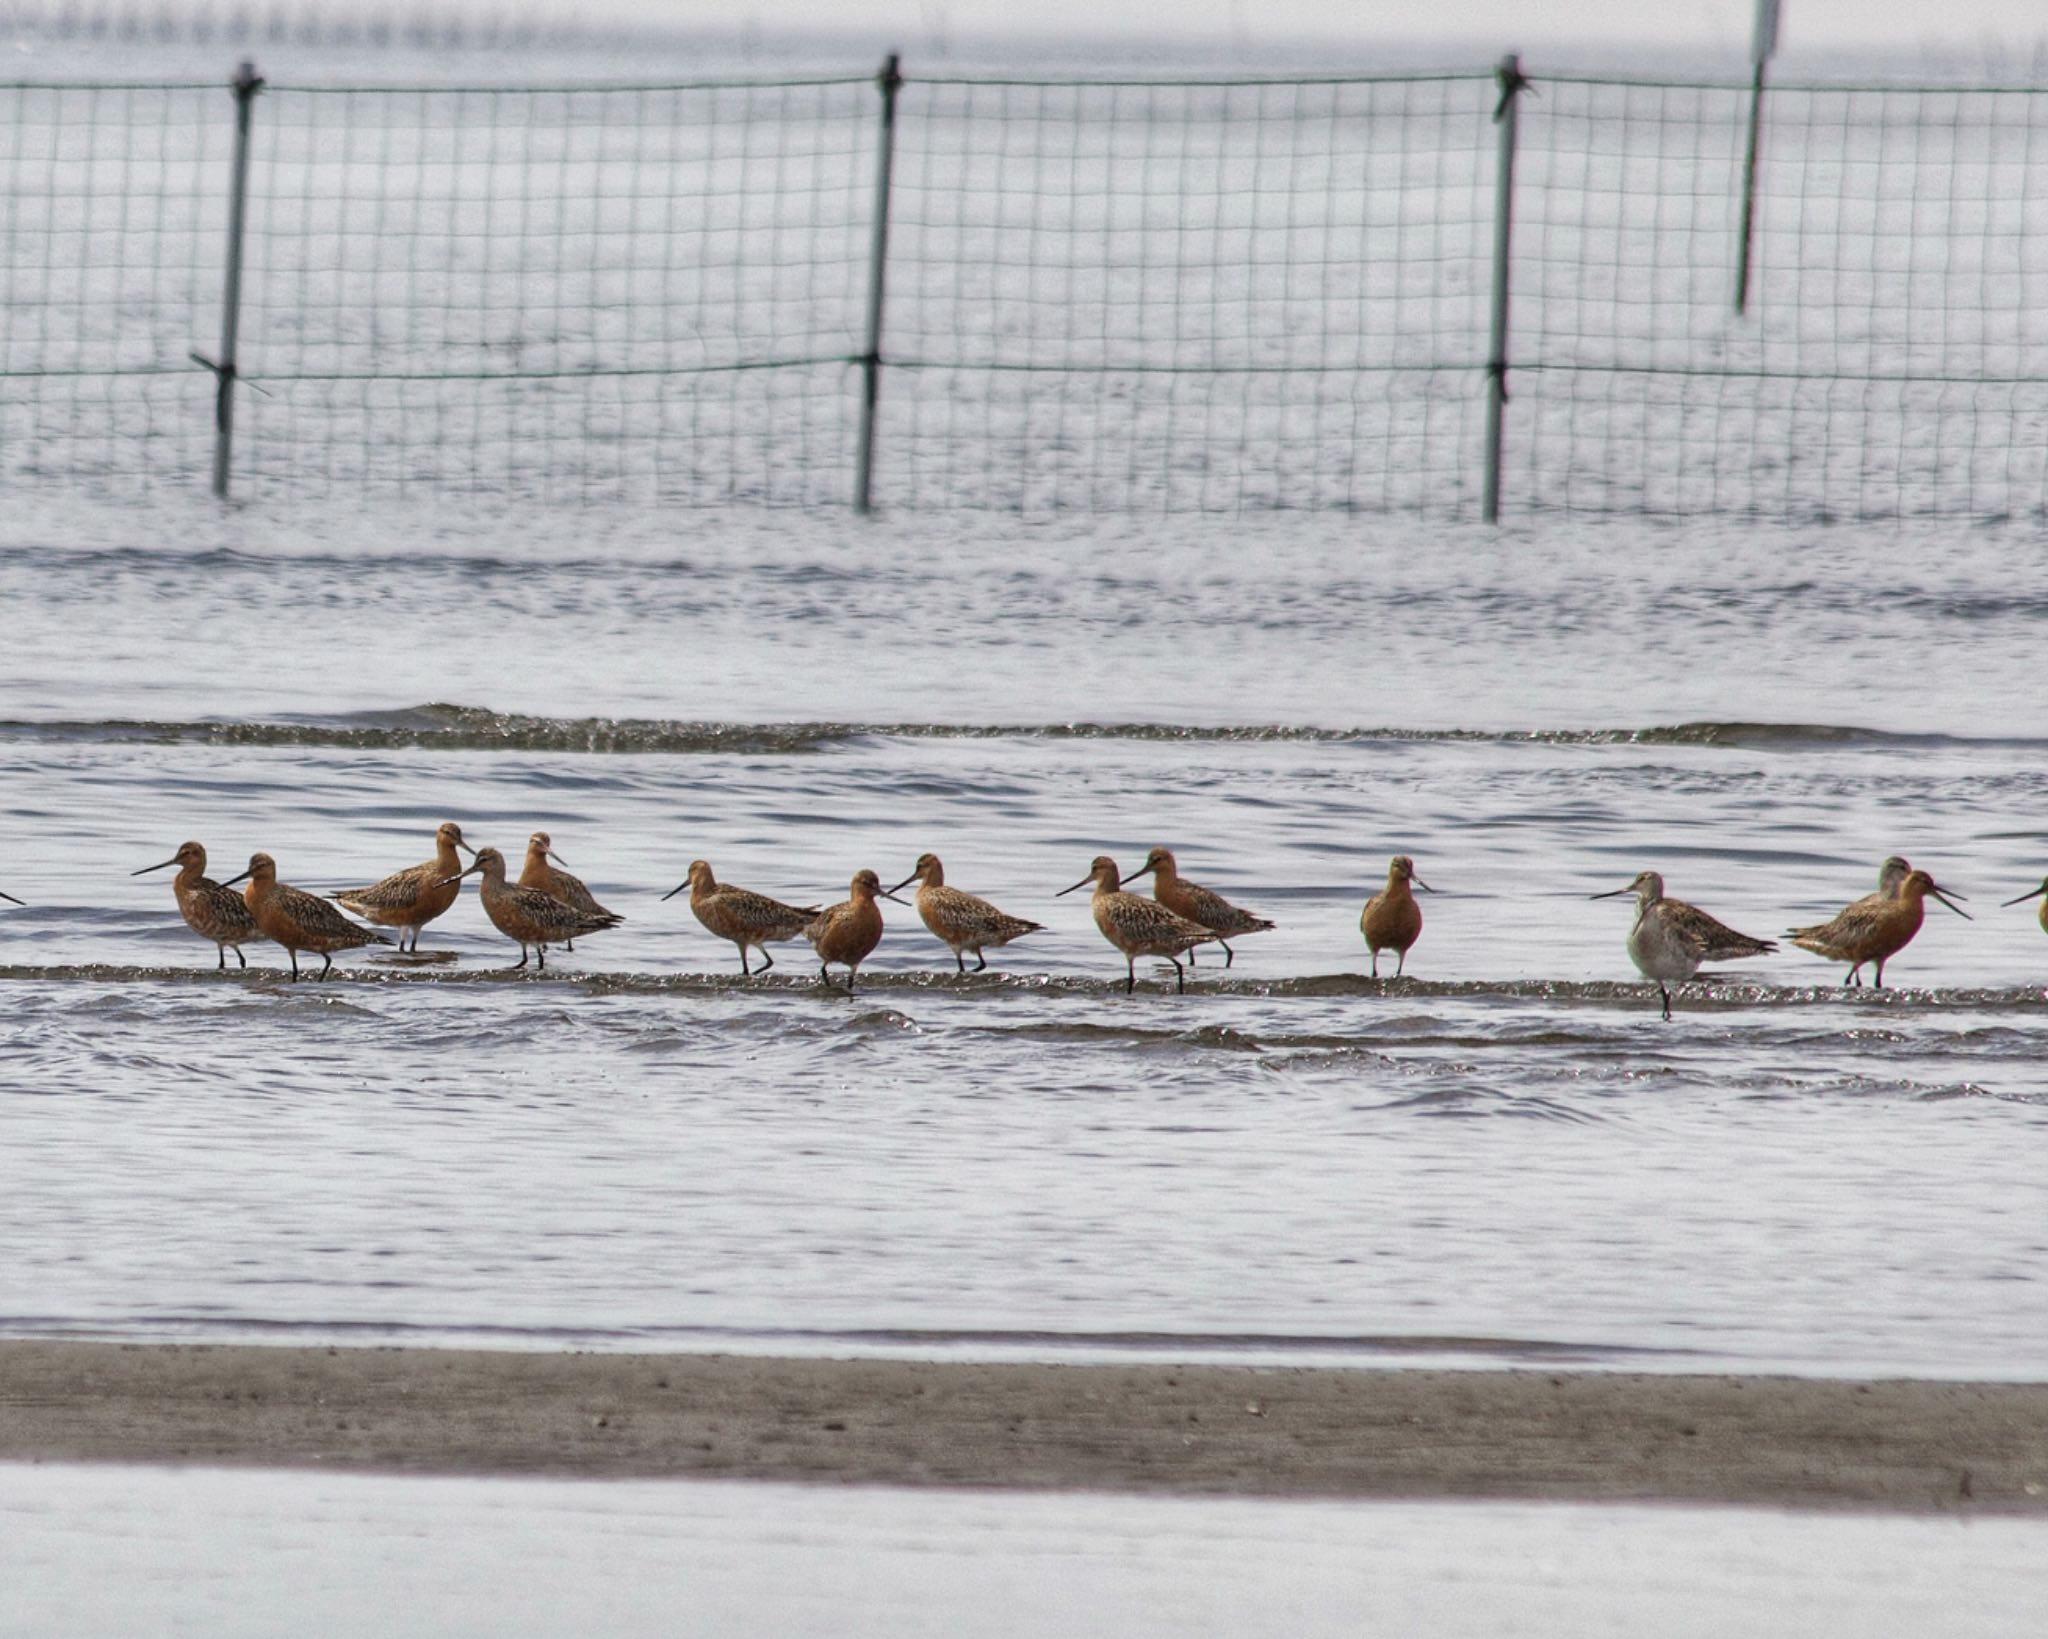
(1096, 296)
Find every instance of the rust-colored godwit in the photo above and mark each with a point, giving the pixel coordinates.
(1391, 919)
(744, 917)
(409, 899)
(1194, 903)
(299, 920)
(211, 909)
(527, 914)
(1890, 874)
(558, 884)
(958, 920)
(2040, 893)
(1876, 928)
(1672, 940)
(1138, 926)
(848, 932)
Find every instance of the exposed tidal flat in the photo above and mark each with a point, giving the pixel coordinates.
(1506, 1154)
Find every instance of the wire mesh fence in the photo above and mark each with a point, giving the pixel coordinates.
(1070, 295)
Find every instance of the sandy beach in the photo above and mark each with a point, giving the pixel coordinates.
(1908, 1446)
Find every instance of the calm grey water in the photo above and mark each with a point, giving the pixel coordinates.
(1508, 1154)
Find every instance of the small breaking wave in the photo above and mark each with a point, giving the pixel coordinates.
(446, 727)
(995, 986)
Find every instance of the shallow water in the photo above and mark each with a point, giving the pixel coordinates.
(102, 1549)
(1505, 1155)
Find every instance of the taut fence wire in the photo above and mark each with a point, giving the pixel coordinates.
(1433, 294)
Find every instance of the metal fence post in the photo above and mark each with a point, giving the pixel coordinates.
(1763, 43)
(247, 83)
(1512, 84)
(889, 80)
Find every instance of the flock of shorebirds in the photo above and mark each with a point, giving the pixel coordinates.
(1669, 942)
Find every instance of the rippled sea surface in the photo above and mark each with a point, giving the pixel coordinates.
(1505, 1155)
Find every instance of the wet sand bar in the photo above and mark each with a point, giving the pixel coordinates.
(1198, 1430)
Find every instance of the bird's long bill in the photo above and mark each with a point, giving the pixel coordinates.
(1081, 884)
(465, 847)
(1618, 892)
(2023, 898)
(1942, 894)
(557, 858)
(231, 881)
(1140, 871)
(158, 867)
(1426, 888)
(459, 875)
(23, 903)
(678, 888)
(891, 893)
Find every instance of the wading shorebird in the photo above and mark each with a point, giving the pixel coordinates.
(1671, 940)
(848, 931)
(528, 915)
(1138, 926)
(744, 917)
(409, 899)
(538, 873)
(1391, 919)
(958, 920)
(1876, 928)
(2040, 893)
(298, 920)
(210, 909)
(1890, 874)
(1194, 903)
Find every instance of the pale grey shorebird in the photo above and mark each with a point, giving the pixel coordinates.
(848, 932)
(958, 920)
(210, 909)
(741, 915)
(298, 920)
(1195, 903)
(1138, 926)
(536, 872)
(1672, 940)
(528, 915)
(409, 899)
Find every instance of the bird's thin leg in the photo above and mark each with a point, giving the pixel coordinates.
(326, 964)
(1130, 974)
(1401, 966)
(1375, 964)
(1180, 977)
(1229, 955)
(1878, 982)
(1667, 998)
(516, 966)
(540, 958)
(224, 958)
(767, 961)
(744, 969)
(294, 955)
(980, 960)
(959, 961)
